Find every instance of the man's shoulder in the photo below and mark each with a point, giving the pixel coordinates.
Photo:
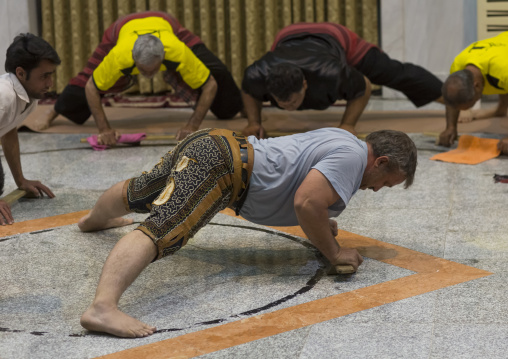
(7, 93)
(120, 56)
(254, 78)
(260, 67)
(336, 133)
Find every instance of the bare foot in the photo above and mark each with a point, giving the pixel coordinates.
(100, 318)
(44, 122)
(466, 116)
(89, 224)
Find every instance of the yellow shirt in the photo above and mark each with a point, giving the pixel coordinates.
(491, 57)
(177, 56)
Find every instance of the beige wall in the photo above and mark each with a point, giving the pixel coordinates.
(15, 17)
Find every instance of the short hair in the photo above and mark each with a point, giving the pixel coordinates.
(27, 51)
(400, 150)
(458, 88)
(284, 80)
(2, 178)
(147, 49)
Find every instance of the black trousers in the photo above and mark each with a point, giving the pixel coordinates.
(419, 85)
(72, 101)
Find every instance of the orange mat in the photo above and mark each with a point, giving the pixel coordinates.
(471, 150)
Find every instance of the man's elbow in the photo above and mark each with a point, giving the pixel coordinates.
(90, 87)
(368, 88)
(304, 204)
(211, 85)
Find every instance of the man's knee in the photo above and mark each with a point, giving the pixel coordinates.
(72, 104)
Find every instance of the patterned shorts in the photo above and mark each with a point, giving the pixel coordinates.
(189, 186)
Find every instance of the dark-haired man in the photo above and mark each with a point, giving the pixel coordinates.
(146, 43)
(303, 179)
(479, 69)
(312, 65)
(30, 64)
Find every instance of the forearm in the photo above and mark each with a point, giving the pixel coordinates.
(10, 145)
(452, 116)
(204, 103)
(94, 102)
(355, 108)
(252, 108)
(314, 221)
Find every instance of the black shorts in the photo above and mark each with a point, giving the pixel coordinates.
(419, 85)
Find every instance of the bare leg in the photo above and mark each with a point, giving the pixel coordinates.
(107, 212)
(124, 264)
(44, 122)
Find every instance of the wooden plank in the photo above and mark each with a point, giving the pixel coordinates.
(14, 196)
(269, 134)
(149, 138)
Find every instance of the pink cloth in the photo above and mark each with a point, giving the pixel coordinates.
(127, 138)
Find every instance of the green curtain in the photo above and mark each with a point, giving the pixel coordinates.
(237, 31)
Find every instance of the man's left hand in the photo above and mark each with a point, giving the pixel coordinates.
(185, 131)
(502, 145)
(108, 137)
(36, 188)
(5, 214)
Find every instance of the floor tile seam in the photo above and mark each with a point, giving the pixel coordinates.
(432, 340)
(306, 340)
(487, 323)
(450, 214)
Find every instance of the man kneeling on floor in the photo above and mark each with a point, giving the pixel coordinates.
(303, 179)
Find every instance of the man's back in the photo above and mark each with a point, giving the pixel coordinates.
(489, 56)
(328, 76)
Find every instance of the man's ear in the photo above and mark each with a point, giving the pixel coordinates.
(381, 161)
(20, 73)
(304, 84)
(478, 86)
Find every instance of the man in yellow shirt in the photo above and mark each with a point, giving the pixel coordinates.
(480, 69)
(146, 43)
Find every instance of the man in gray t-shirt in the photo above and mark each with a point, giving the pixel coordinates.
(301, 179)
(281, 165)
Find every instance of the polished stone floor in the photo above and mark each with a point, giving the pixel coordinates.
(234, 271)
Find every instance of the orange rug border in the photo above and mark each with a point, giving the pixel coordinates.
(432, 273)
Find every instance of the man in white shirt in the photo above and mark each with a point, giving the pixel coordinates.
(301, 179)
(30, 64)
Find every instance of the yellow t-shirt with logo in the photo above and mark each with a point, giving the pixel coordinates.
(491, 57)
(178, 56)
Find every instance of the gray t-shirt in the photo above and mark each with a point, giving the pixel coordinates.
(281, 164)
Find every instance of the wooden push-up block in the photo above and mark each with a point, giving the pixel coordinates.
(347, 269)
(14, 196)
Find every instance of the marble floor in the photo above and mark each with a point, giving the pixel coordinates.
(433, 284)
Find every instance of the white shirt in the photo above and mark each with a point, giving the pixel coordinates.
(15, 105)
